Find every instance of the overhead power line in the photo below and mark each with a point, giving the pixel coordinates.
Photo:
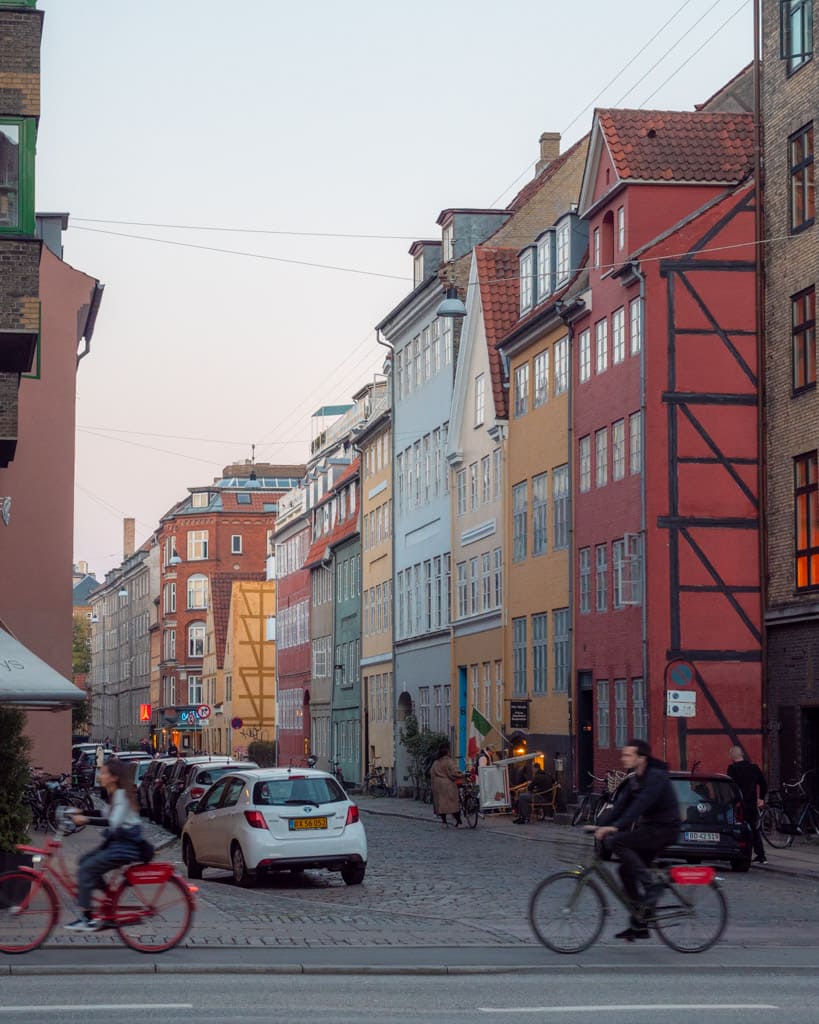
(245, 231)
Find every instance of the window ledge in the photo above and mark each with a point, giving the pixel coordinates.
(804, 389)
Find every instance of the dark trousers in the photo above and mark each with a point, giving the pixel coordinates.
(93, 867)
(636, 850)
(754, 819)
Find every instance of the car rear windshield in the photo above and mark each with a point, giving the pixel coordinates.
(211, 775)
(283, 792)
(706, 800)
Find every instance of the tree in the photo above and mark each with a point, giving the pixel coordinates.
(422, 747)
(15, 816)
(81, 646)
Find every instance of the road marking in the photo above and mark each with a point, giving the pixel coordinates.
(654, 1007)
(106, 1007)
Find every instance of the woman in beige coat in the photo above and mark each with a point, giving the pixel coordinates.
(443, 775)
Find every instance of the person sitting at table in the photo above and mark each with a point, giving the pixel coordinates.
(540, 786)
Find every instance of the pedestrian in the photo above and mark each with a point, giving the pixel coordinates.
(173, 750)
(540, 786)
(753, 787)
(484, 757)
(444, 775)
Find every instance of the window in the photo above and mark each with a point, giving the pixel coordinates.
(539, 516)
(519, 656)
(497, 474)
(418, 372)
(448, 242)
(462, 610)
(520, 515)
(522, 390)
(526, 265)
(399, 374)
(544, 266)
(560, 622)
(596, 247)
(241, 499)
(635, 309)
(473, 486)
(497, 576)
(473, 586)
(17, 143)
(169, 597)
(427, 468)
(584, 474)
(200, 499)
(196, 640)
(560, 495)
(435, 345)
(169, 690)
(479, 399)
(635, 442)
(807, 521)
(236, 544)
(197, 545)
(197, 591)
(418, 270)
(563, 253)
(603, 713)
(584, 569)
(562, 366)
(539, 653)
(601, 580)
(803, 331)
(617, 553)
(486, 483)
(639, 716)
(618, 450)
(446, 338)
(541, 378)
(426, 353)
(486, 580)
(601, 334)
(796, 32)
(601, 448)
(620, 713)
(169, 644)
(621, 227)
(585, 355)
(423, 707)
(460, 481)
(800, 148)
(618, 335)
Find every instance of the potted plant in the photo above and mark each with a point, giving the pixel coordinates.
(15, 816)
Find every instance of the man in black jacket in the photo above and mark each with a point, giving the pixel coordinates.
(752, 785)
(647, 802)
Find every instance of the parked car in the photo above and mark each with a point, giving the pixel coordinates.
(138, 770)
(146, 785)
(198, 778)
(275, 819)
(173, 787)
(118, 755)
(84, 768)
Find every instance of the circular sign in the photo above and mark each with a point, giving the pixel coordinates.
(203, 711)
(679, 673)
(236, 723)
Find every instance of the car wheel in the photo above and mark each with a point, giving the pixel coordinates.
(241, 875)
(353, 874)
(193, 866)
(741, 865)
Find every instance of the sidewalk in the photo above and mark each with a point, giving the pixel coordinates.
(800, 861)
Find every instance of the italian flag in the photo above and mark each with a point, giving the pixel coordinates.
(479, 725)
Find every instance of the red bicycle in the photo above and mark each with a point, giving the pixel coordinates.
(149, 905)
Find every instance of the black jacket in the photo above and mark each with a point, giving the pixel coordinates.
(748, 777)
(649, 798)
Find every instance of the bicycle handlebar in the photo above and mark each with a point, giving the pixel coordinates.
(800, 782)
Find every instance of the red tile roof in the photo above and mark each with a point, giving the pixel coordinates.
(499, 283)
(221, 589)
(679, 145)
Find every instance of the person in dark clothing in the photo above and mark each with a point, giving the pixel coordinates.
(540, 785)
(751, 783)
(646, 801)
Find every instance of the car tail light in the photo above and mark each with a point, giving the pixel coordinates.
(196, 792)
(352, 815)
(739, 811)
(255, 819)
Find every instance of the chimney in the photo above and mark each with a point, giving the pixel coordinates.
(128, 537)
(549, 150)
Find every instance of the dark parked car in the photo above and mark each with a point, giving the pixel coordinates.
(145, 788)
(173, 786)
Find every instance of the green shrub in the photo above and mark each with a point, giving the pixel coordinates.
(263, 752)
(15, 816)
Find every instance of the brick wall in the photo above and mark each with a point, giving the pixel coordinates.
(19, 284)
(20, 33)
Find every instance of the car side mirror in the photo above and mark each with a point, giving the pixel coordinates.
(194, 807)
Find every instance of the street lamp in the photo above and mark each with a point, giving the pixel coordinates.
(452, 307)
(175, 559)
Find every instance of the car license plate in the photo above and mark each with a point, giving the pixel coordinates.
(296, 824)
(702, 837)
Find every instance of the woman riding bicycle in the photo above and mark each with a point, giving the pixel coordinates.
(122, 844)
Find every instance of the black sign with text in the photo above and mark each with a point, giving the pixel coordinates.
(519, 714)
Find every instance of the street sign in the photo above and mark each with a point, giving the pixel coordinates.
(519, 714)
(203, 711)
(681, 704)
(236, 723)
(679, 673)
(682, 696)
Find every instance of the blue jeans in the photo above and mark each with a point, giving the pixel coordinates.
(94, 866)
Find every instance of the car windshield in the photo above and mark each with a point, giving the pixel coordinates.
(284, 792)
(706, 800)
(213, 774)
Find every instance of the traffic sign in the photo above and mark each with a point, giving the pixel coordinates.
(203, 711)
(682, 696)
(681, 704)
(679, 673)
(236, 723)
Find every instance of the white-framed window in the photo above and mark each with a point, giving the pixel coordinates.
(617, 552)
(544, 266)
(584, 573)
(618, 450)
(200, 499)
(584, 341)
(197, 545)
(197, 591)
(603, 740)
(541, 378)
(418, 270)
(448, 242)
(426, 353)
(474, 606)
(427, 441)
(486, 580)
(526, 269)
(560, 495)
(636, 317)
(196, 640)
(236, 544)
(601, 334)
(561, 366)
(521, 389)
(520, 515)
(460, 485)
(621, 230)
(399, 374)
(639, 728)
(169, 598)
(629, 570)
(601, 577)
(169, 690)
(169, 644)
(473, 486)
(601, 448)
(480, 398)
(596, 247)
(563, 253)
(435, 345)
(462, 593)
(620, 713)
(486, 481)
(539, 513)
(560, 627)
(635, 442)
(540, 659)
(497, 576)
(519, 656)
(618, 335)
(584, 460)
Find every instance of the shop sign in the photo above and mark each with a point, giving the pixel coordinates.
(519, 714)
(144, 712)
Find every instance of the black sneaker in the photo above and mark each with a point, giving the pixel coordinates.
(760, 860)
(630, 934)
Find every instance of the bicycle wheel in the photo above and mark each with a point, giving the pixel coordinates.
(567, 911)
(28, 911)
(582, 810)
(690, 918)
(771, 826)
(153, 916)
(471, 810)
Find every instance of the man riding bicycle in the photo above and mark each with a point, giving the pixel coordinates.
(646, 800)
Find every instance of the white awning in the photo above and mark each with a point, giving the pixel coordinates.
(28, 682)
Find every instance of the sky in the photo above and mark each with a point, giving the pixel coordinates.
(281, 157)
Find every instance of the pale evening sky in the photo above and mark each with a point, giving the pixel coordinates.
(362, 118)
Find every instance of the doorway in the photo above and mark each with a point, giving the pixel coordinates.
(585, 731)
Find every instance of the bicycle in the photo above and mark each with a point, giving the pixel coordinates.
(592, 803)
(778, 826)
(469, 802)
(337, 772)
(375, 782)
(150, 906)
(567, 910)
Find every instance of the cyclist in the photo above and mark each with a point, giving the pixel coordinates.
(647, 802)
(122, 843)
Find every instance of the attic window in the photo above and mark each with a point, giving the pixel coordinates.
(243, 499)
(418, 270)
(526, 264)
(200, 499)
(448, 242)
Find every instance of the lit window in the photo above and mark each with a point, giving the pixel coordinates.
(807, 521)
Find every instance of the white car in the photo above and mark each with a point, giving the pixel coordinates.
(275, 819)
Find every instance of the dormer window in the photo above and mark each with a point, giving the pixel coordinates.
(545, 270)
(200, 499)
(526, 263)
(563, 253)
(418, 270)
(448, 242)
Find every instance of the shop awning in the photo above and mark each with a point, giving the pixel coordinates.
(28, 682)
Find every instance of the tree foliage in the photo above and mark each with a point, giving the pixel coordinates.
(263, 752)
(422, 745)
(15, 816)
(81, 646)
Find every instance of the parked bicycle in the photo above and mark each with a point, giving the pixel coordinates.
(469, 802)
(567, 910)
(780, 826)
(593, 803)
(337, 771)
(149, 905)
(45, 795)
(375, 781)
